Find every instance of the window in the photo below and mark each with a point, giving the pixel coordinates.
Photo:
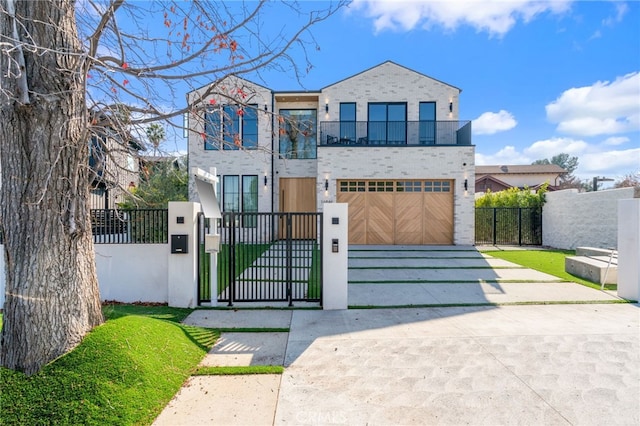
(231, 127)
(298, 133)
(437, 186)
(427, 123)
(387, 123)
(352, 186)
(250, 200)
(348, 122)
(241, 199)
(409, 186)
(231, 193)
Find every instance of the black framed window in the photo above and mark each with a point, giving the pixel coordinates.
(387, 123)
(427, 117)
(348, 122)
(231, 126)
(249, 200)
(298, 133)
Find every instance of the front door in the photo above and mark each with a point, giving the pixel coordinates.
(298, 195)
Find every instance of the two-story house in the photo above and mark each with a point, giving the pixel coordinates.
(387, 141)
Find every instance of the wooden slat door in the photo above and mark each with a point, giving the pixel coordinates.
(438, 218)
(380, 218)
(298, 195)
(357, 215)
(408, 218)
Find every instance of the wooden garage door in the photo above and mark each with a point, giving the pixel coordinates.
(398, 211)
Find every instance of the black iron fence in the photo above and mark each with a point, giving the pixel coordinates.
(140, 226)
(509, 225)
(266, 257)
(394, 133)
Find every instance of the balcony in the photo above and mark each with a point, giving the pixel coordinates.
(394, 133)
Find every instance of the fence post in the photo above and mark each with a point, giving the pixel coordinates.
(520, 226)
(495, 228)
(629, 248)
(335, 255)
(182, 265)
(232, 257)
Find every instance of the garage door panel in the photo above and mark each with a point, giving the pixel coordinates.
(379, 210)
(408, 223)
(357, 215)
(438, 218)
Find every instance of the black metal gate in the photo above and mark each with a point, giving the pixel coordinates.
(509, 225)
(266, 257)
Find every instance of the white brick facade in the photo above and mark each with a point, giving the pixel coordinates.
(387, 82)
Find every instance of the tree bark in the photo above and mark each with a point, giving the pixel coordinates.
(52, 296)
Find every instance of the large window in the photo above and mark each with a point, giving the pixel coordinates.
(243, 198)
(298, 133)
(250, 200)
(231, 127)
(427, 123)
(348, 122)
(387, 123)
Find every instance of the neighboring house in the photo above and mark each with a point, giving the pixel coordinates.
(387, 141)
(114, 168)
(499, 178)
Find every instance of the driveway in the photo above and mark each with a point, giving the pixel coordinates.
(538, 363)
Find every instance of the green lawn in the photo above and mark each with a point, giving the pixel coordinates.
(124, 372)
(548, 261)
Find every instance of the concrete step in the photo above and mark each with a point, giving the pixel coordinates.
(592, 268)
(594, 251)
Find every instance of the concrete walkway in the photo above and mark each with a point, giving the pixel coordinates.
(516, 364)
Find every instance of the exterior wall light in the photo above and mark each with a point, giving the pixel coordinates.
(326, 107)
(466, 185)
(265, 181)
(265, 108)
(326, 184)
(450, 106)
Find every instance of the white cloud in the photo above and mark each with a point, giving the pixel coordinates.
(616, 140)
(554, 146)
(494, 17)
(490, 123)
(592, 159)
(621, 10)
(604, 108)
(507, 155)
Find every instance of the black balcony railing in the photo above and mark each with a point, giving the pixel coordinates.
(394, 133)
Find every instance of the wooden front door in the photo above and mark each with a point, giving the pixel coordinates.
(298, 195)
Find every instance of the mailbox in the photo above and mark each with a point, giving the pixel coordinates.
(180, 244)
(212, 243)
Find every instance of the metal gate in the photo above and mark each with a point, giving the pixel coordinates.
(267, 257)
(509, 225)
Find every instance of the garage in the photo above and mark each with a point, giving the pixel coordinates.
(398, 211)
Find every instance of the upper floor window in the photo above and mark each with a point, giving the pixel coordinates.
(231, 127)
(298, 133)
(427, 117)
(387, 123)
(348, 121)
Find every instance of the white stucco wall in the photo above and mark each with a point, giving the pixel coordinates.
(571, 219)
(132, 272)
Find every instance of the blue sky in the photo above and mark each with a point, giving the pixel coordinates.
(537, 78)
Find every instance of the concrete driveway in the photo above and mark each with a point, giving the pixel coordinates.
(535, 363)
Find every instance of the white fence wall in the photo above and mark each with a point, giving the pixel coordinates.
(133, 272)
(571, 219)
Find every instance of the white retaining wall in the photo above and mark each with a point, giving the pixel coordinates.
(571, 219)
(133, 272)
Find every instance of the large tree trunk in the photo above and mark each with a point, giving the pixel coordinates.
(52, 297)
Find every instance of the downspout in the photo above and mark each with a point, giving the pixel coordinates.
(273, 153)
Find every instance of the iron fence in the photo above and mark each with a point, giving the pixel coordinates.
(139, 226)
(508, 225)
(394, 133)
(266, 257)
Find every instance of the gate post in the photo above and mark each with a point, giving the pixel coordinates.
(335, 255)
(629, 248)
(183, 255)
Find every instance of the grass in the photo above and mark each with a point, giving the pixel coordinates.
(233, 371)
(124, 372)
(547, 261)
